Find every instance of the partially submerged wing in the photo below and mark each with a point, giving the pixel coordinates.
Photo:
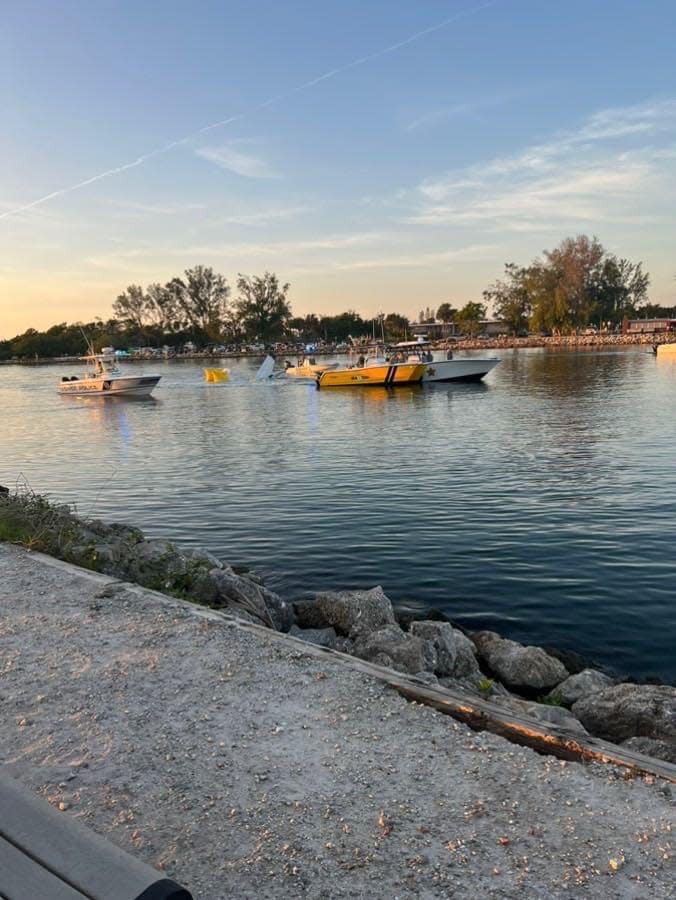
(265, 370)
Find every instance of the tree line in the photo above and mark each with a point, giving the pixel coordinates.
(577, 284)
(568, 288)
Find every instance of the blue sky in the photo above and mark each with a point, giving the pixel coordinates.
(407, 177)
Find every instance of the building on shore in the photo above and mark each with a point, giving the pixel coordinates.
(439, 331)
(434, 331)
(648, 326)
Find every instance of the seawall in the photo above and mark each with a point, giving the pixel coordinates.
(558, 342)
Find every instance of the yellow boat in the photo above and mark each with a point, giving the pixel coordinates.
(216, 375)
(374, 372)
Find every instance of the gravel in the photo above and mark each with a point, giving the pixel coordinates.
(244, 768)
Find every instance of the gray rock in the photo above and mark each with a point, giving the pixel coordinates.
(652, 747)
(205, 559)
(542, 712)
(344, 645)
(106, 557)
(204, 588)
(466, 665)
(441, 635)
(81, 554)
(280, 611)
(587, 682)
(427, 678)
(394, 648)
(630, 710)
(154, 563)
(323, 637)
(556, 715)
(517, 666)
(351, 613)
(237, 592)
(125, 532)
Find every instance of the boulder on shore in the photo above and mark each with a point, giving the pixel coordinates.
(630, 710)
(440, 634)
(455, 652)
(519, 667)
(265, 606)
(322, 637)
(392, 647)
(542, 712)
(466, 666)
(351, 613)
(585, 683)
(652, 747)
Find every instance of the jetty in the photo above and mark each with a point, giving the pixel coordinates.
(245, 763)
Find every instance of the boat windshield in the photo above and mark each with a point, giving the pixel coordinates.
(102, 365)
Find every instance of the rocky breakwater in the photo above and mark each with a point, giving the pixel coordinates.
(548, 686)
(525, 679)
(123, 551)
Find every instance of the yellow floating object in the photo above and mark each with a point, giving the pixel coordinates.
(666, 349)
(216, 375)
(363, 376)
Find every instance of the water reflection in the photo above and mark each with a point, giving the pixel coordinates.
(541, 502)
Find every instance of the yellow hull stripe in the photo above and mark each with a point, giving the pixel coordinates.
(404, 373)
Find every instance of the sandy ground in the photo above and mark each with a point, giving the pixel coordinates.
(244, 768)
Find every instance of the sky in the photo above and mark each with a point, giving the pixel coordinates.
(384, 155)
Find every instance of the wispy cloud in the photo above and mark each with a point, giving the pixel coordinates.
(468, 109)
(243, 250)
(138, 210)
(259, 107)
(442, 114)
(471, 253)
(265, 216)
(235, 158)
(599, 172)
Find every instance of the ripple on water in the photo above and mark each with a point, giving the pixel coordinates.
(541, 503)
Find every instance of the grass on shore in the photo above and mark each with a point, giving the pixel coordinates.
(28, 520)
(12, 532)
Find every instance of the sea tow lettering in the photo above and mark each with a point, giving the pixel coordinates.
(80, 387)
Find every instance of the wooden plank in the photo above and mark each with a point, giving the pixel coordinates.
(477, 712)
(484, 715)
(21, 878)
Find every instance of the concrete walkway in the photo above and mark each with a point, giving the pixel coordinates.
(245, 768)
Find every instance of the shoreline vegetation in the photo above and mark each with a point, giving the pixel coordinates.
(556, 688)
(551, 342)
(577, 291)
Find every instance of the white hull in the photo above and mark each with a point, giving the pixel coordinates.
(112, 386)
(467, 369)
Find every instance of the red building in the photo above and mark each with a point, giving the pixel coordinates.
(648, 326)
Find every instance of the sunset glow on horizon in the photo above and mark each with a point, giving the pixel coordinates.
(390, 157)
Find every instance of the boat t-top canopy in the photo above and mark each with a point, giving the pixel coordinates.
(404, 345)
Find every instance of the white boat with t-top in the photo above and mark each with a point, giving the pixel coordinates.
(104, 378)
(440, 367)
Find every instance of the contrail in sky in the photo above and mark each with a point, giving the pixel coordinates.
(139, 161)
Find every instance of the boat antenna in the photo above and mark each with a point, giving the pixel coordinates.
(90, 346)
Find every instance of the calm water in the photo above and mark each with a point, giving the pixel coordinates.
(541, 503)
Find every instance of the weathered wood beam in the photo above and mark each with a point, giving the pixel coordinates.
(477, 712)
